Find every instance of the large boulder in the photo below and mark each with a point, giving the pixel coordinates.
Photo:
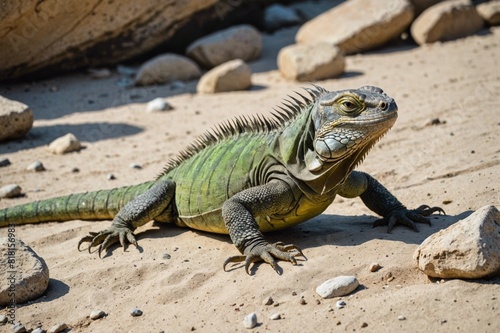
(446, 21)
(467, 249)
(16, 119)
(358, 25)
(46, 37)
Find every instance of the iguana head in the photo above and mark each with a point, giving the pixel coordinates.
(342, 127)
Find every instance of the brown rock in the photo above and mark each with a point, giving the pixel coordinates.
(167, 68)
(230, 76)
(23, 274)
(490, 12)
(16, 119)
(239, 42)
(446, 21)
(358, 25)
(310, 62)
(467, 249)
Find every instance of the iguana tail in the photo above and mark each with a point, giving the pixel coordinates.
(98, 205)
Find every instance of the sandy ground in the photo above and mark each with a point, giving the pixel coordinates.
(455, 164)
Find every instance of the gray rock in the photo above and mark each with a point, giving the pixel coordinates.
(36, 166)
(467, 249)
(65, 144)
(336, 287)
(18, 328)
(275, 316)
(277, 16)
(239, 42)
(167, 68)
(10, 191)
(250, 321)
(340, 304)
(22, 271)
(358, 25)
(310, 62)
(490, 12)
(446, 21)
(230, 76)
(16, 119)
(97, 314)
(135, 312)
(4, 162)
(158, 104)
(58, 328)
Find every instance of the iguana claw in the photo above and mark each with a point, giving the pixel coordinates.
(108, 237)
(267, 253)
(408, 217)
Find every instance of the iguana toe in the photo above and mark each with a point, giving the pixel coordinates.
(408, 217)
(105, 238)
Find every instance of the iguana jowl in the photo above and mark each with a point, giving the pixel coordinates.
(250, 176)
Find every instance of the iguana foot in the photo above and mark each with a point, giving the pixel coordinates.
(108, 237)
(408, 217)
(267, 253)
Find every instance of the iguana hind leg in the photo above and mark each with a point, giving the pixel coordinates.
(238, 213)
(142, 209)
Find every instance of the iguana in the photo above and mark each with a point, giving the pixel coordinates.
(251, 175)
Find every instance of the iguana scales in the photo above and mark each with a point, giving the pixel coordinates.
(249, 176)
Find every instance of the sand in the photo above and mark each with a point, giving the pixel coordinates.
(455, 164)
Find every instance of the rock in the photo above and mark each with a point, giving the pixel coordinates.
(250, 321)
(18, 328)
(99, 73)
(16, 119)
(278, 16)
(158, 104)
(38, 330)
(10, 191)
(21, 270)
(275, 316)
(58, 328)
(446, 21)
(110, 176)
(239, 42)
(4, 162)
(36, 166)
(65, 144)
(167, 68)
(268, 301)
(97, 314)
(401, 317)
(135, 166)
(135, 312)
(310, 62)
(374, 267)
(468, 249)
(50, 37)
(3, 319)
(490, 12)
(336, 287)
(230, 76)
(340, 304)
(421, 5)
(358, 25)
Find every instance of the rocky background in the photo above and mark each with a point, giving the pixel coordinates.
(101, 94)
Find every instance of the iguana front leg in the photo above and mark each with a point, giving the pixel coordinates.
(238, 213)
(137, 212)
(376, 197)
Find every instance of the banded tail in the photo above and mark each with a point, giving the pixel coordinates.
(97, 205)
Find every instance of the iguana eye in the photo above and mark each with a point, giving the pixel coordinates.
(349, 104)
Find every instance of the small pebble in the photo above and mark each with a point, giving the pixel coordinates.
(4, 162)
(18, 328)
(166, 256)
(135, 166)
(374, 267)
(3, 319)
(294, 293)
(135, 312)
(158, 104)
(401, 317)
(124, 70)
(275, 316)
(58, 328)
(97, 314)
(99, 73)
(38, 330)
(364, 325)
(36, 166)
(390, 279)
(340, 304)
(302, 301)
(268, 301)
(338, 286)
(110, 176)
(75, 170)
(250, 321)
(10, 191)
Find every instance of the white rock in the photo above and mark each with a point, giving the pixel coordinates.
(31, 277)
(358, 25)
(16, 119)
(275, 316)
(239, 42)
(277, 16)
(38, 330)
(158, 104)
(468, 249)
(3, 319)
(250, 321)
(310, 62)
(340, 304)
(65, 144)
(36, 166)
(446, 21)
(338, 286)
(167, 68)
(97, 314)
(135, 312)
(58, 328)
(10, 191)
(490, 12)
(230, 76)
